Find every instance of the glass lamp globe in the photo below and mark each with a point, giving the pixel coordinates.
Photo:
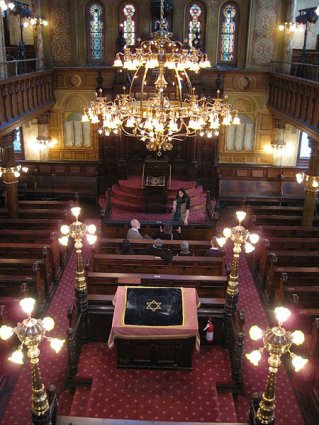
(282, 314)
(27, 305)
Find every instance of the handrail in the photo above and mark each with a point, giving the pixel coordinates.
(305, 71)
(20, 67)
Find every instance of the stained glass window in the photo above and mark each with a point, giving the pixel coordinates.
(194, 25)
(228, 33)
(96, 32)
(128, 24)
(17, 142)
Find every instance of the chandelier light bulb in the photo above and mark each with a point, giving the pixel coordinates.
(241, 215)
(11, 5)
(76, 211)
(65, 229)
(298, 362)
(64, 240)
(48, 323)
(17, 357)
(5, 332)
(281, 27)
(282, 314)
(3, 5)
(315, 183)
(91, 239)
(255, 333)
(298, 337)
(249, 248)
(300, 177)
(221, 241)
(254, 357)
(227, 232)
(254, 238)
(56, 344)
(16, 173)
(27, 305)
(91, 228)
(85, 118)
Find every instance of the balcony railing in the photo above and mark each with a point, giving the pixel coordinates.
(14, 68)
(296, 100)
(24, 97)
(306, 71)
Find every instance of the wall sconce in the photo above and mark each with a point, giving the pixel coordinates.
(39, 21)
(303, 177)
(13, 170)
(289, 26)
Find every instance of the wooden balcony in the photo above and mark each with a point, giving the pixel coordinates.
(295, 100)
(25, 97)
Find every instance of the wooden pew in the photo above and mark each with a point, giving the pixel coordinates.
(268, 231)
(64, 205)
(106, 283)
(35, 251)
(45, 213)
(14, 272)
(116, 263)
(275, 210)
(110, 245)
(49, 224)
(194, 231)
(266, 246)
(60, 254)
(294, 272)
(281, 220)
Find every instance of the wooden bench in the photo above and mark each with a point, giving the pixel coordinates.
(116, 263)
(280, 220)
(49, 224)
(268, 231)
(278, 209)
(106, 283)
(14, 272)
(37, 251)
(294, 272)
(45, 213)
(64, 205)
(266, 246)
(194, 231)
(110, 245)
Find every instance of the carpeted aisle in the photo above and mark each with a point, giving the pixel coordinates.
(287, 409)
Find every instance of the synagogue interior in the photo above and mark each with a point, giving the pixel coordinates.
(159, 218)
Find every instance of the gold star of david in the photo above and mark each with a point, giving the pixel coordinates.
(153, 305)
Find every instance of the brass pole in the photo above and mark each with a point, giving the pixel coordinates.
(266, 411)
(81, 291)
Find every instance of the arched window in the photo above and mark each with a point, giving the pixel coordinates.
(195, 25)
(128, 23)
(228, 34)
(96, 32)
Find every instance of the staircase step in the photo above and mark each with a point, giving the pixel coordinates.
(65, 402)
(80, 400)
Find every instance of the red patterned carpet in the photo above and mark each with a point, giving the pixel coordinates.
(187, 396)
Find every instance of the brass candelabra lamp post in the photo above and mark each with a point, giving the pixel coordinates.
(77, 231)
(277, 341)
(30, 333)
(241, 238)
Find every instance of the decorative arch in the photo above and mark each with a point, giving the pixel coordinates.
(228, 34)
(195, 20)
(95, 23)
(242, 137)
(76, 133)
(128, 18)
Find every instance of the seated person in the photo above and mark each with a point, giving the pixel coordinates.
(134, 231)
(125, 248)
(167, 233)
(214, 250)
(157, 250)
(185, 250)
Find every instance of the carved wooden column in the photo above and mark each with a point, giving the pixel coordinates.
(38, 33)
(3, 68)
(9, 179)
(310, 191)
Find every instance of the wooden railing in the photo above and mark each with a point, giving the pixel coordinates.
(24, 97)
(297, 100)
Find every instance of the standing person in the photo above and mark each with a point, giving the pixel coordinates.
(134, 231)
(181, 207)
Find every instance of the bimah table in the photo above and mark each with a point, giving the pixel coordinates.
(155, 327)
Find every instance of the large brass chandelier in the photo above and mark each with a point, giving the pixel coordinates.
(161, 105)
